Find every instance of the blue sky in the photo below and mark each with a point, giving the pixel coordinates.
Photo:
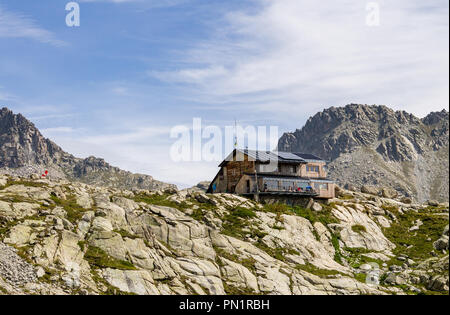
(116, 85)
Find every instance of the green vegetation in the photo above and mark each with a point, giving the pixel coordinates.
(325, 216)
(6, 225)
(243, 213)
(126, 234)
(248, 263)
(110, 290)
(159, 200)
(232, 290)
(3, 291)
(361, 277)
(346, 197)
(82, 245)
(14, 198)
(24, 183)
(322, 273)
(415, 244)
(356, 258)
(392, 209)
(98, 258)
(359, 228)
(337, 248)
(277, 208)
(74, 211)
(277, 252)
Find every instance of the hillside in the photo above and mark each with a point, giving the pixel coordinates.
(61, 237)
(375, 145)
(24, 151)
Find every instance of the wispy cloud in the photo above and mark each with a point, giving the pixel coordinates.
(148, 3)
(16, 25)
(5, 96)
(297, 55)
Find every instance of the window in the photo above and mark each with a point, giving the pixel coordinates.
(319, 186)
(312, 169)
(268, 168)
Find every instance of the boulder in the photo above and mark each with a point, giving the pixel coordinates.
(406, 200)
(350, 187)
(433, 203)
(389, 193)
(371, 190)
(317, 207)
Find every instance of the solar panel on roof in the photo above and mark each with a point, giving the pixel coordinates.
(288, 156)
(308, 156)
(261, 156)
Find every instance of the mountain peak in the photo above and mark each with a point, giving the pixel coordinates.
(400, 146)
(24, 151)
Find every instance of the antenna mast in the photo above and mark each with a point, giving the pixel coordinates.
(235, 134)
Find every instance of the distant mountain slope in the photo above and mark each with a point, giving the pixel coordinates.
(377, 145)
(24, 151)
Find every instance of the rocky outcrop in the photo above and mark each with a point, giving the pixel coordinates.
(374, 145)
(24, 152)
(58, 237)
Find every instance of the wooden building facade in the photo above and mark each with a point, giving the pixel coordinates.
(261, 173)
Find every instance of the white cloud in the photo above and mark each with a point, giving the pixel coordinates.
(148, 3)
(113, 1)
(144, 150)
(16, 25)
(5, 96)
(294, 57)
(48, 132)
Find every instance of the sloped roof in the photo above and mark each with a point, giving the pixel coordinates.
(267, 156)
(308, 157)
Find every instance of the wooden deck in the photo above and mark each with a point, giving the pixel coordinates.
(284, 193)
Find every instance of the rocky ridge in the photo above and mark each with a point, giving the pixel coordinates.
(375, 145)
(24, 151)
(61, 237)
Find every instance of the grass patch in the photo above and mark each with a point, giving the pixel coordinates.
(248, 263)
(126, 234)
(110, 290)
(392, 209)
(24, 183)
(359, 228)
(233, 290)
(277, 252)
(82, 245)
(2, 289)
(337, 248)
(325, 217)
(356, 257)
(415, 244)
(236, 223)
(13, 198)
(74, 211)
(98, 258)
(322, 273)
(160, 200)
(361, 277)
(243, 213)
